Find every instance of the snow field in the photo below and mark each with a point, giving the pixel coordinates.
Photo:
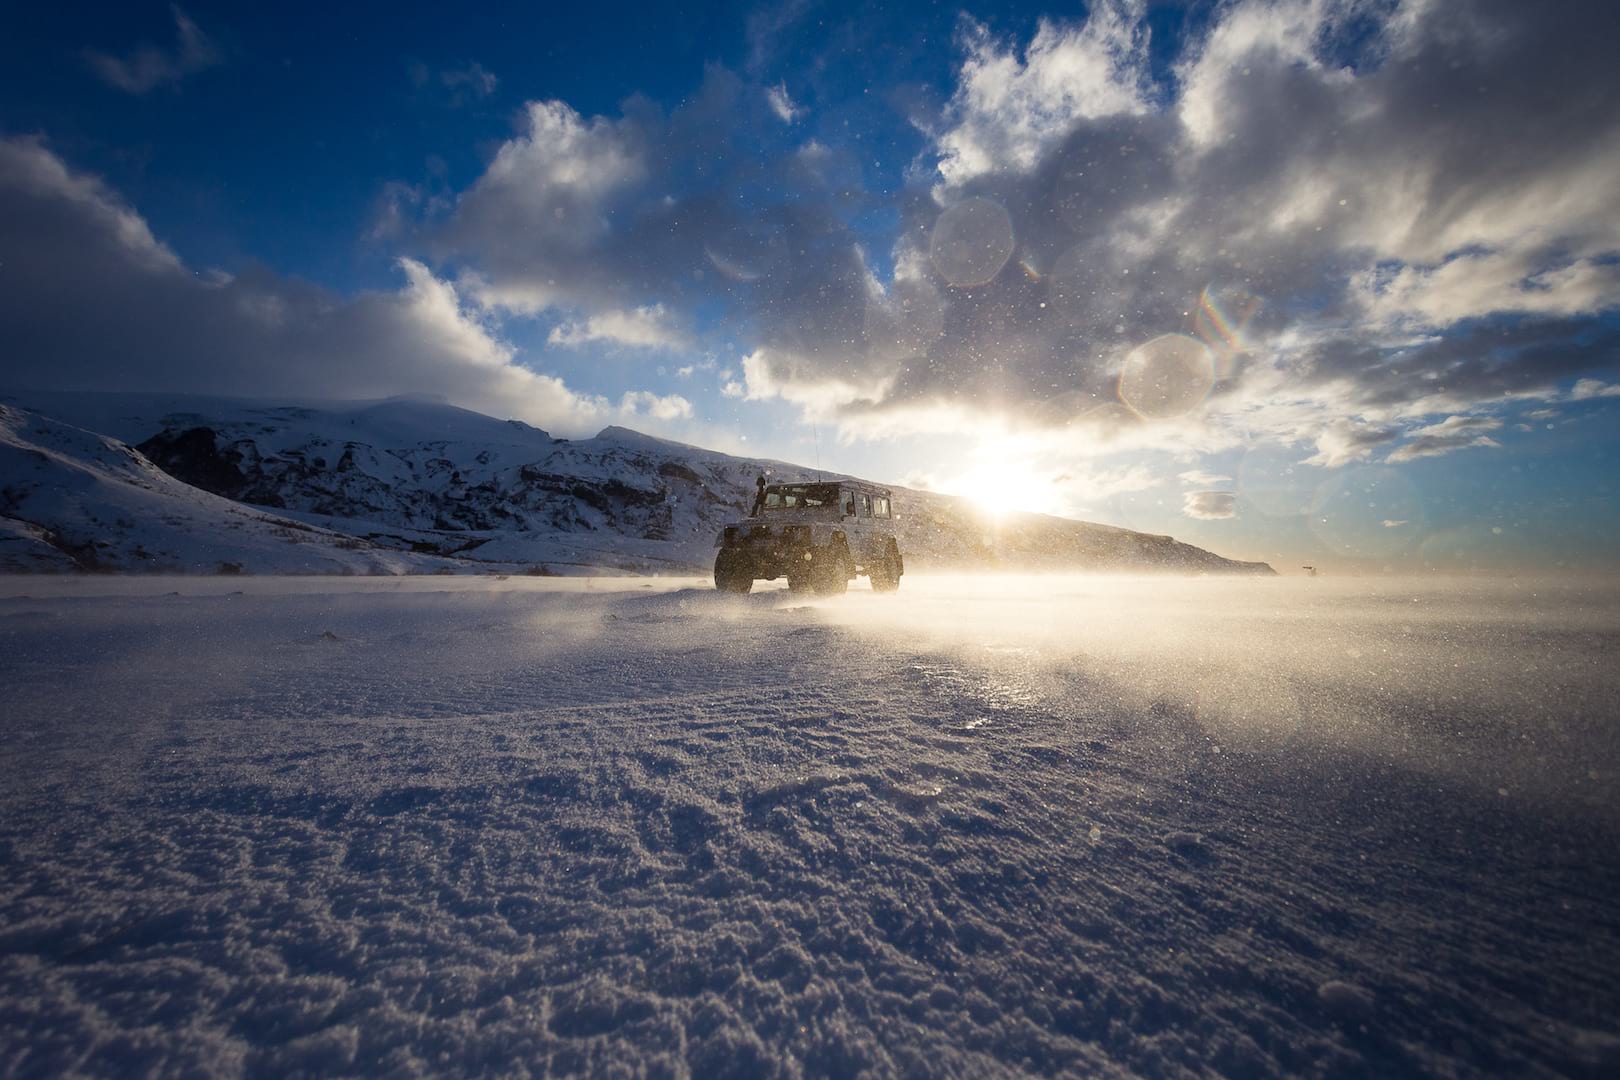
(989, 826)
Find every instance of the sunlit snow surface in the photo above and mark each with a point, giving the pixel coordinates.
(984, 826)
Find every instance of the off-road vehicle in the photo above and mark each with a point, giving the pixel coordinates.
(819, 536)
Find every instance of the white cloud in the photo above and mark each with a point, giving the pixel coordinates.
(148, 67)
(645, 403)
(644, 328)
(1452, 433)
(781, 104)
(1326, 193)
(1473, 285)
(793, 377)
(1007, 112)
(32, 172)
(1209, 505)
(159, 325)
(1249, 36)
(1587, 389)
(560, 152)
(1341, 442)
(539, 213)
(1200, 478)
(1321, 192)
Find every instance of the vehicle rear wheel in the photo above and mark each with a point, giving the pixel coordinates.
(886, 574)
(732, 572)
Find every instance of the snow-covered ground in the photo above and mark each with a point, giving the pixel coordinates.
(990, 825)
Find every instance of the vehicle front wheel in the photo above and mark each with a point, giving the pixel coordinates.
(831, 573)
(732, 572)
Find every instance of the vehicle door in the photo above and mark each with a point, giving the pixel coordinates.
(863, 532)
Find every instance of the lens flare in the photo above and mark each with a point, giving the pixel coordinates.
(731, 268)
(971, 242)
(745, 250)
(1081, 290)
(1463, 548)
(1222, 321)
(1273, 480)
(1371, 512)
(1167, 377)
(1107, 421)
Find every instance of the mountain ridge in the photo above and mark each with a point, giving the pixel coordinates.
(453, 489)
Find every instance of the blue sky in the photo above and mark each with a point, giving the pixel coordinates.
(1316, 281)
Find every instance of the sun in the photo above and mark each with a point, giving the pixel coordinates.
(1006, 487)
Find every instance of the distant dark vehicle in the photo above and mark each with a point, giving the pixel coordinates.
(819, 536)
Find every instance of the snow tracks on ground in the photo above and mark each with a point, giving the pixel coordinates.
(691, 834)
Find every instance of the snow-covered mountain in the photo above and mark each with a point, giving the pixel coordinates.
(71, 499)
(428, 480)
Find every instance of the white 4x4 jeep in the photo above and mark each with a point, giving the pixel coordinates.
(819, 536)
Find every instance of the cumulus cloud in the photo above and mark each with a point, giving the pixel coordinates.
(538, 216)
(1323, 198)
(645, 403)
(149, 67)
(1349, 221)
(1209, 505)
(646, 327)
(1008, 111)
(71, 245)
(591, 216)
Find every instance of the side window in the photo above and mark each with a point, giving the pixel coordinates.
(882, 506)
(866, 505)
(773, 498)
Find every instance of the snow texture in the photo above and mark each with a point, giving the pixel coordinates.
(988, 826)
(424, 478)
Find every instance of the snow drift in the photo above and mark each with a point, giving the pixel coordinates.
(455, 826)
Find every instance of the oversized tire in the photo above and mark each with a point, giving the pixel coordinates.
(732, 572)
(829, 574)
(886, 573)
